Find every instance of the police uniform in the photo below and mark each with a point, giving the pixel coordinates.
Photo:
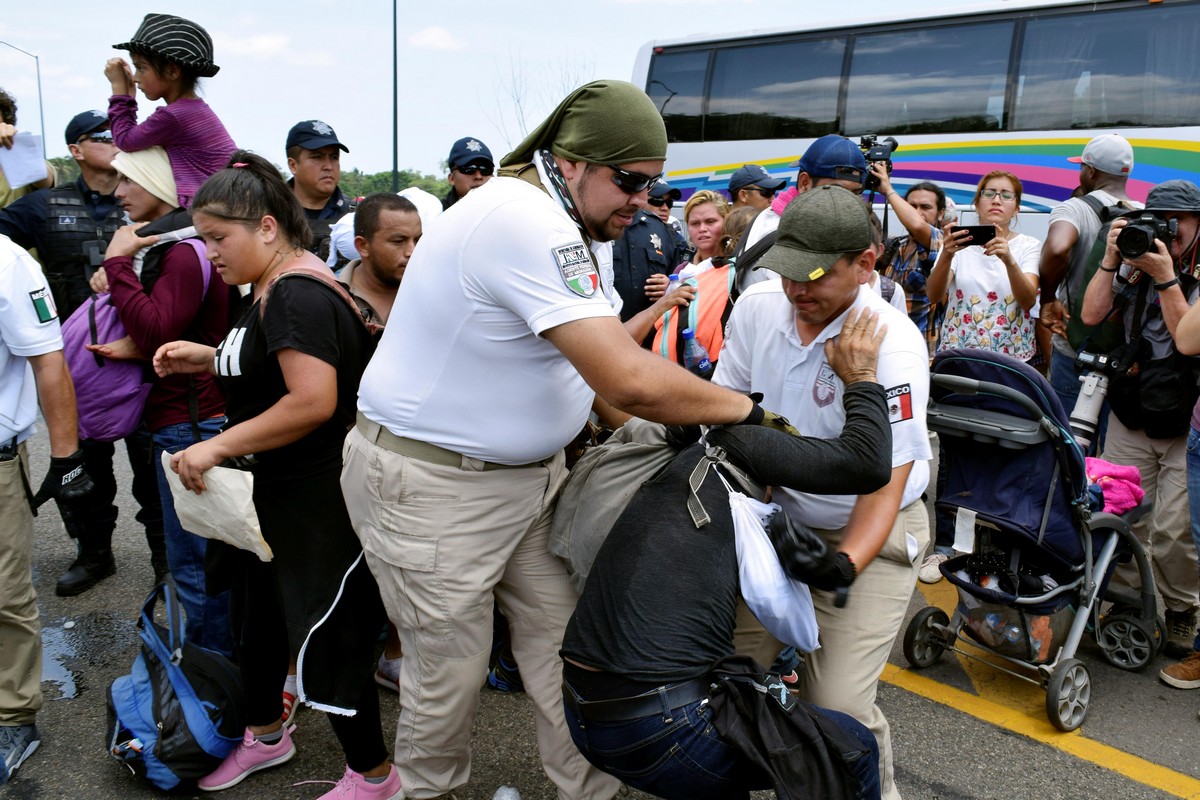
(28, 327)
(763, 353)
(451, 472)
(647, 248)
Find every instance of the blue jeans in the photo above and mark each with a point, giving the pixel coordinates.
(208, 623)
(681, 756)
(1193, 486)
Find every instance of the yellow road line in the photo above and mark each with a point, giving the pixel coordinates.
(1019, 706)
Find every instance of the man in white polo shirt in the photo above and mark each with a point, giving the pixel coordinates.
(31, 365)
(776, 345)
(505, 333)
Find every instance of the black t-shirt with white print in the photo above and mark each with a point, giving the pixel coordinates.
(304, 315)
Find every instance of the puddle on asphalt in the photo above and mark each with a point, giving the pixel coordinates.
(57, 649)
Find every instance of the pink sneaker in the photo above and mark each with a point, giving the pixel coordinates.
(353, 786)
(249, 756)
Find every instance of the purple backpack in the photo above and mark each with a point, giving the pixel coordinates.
(110, 395)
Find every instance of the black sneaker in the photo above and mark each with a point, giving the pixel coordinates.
(1181, 633)
(504, 675)
(17, 743)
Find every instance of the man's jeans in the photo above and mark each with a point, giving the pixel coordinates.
(681, 757)
(208, 622)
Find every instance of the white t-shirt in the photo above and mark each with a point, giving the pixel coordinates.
(763, 353)
(766, 222)
(28, 327)
(462, 363)
(981, 311)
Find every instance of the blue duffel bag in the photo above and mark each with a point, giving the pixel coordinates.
(180, 711)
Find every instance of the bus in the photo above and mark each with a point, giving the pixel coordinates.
(1021, 88)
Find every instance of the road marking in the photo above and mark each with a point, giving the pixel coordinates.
(1019, 706)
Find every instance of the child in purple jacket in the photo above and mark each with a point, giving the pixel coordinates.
(169, 54)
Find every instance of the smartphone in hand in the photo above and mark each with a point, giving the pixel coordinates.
(980, 234)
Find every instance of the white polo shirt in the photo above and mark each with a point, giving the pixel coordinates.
(763, 353)
(28, 327)
(462, 363)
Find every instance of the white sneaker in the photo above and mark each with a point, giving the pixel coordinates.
(929, 568)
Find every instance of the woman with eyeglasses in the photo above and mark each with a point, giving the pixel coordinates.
(990, 292)
(990, 288)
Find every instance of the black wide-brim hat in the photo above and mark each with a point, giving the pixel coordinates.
(176, 39)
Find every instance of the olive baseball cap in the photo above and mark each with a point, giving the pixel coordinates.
(815, 230)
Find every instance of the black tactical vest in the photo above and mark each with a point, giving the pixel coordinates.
(74, 245)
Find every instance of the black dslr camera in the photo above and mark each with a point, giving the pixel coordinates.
(1137, 238)
(876, 151)
(1110, 365)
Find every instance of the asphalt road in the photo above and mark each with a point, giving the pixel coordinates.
(1136, 744)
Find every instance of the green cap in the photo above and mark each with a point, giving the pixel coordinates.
(815, 230)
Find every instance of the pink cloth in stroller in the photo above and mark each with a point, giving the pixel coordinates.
(1122, 485)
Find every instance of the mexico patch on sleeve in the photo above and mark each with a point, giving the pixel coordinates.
(577, 270)
(43, 305)
(899, 403)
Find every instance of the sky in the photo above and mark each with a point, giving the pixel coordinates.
(463, 64)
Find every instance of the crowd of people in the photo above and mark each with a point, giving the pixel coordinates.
(404, 506)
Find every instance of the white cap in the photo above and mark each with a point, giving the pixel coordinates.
(1110, 153)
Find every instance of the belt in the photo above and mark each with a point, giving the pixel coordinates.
(621, 709)
(431, 453)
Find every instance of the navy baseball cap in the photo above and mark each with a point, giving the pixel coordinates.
(312, 134)
(664, 189)
(84, 123)
(469, 150)
(833, 156)
(754, 175)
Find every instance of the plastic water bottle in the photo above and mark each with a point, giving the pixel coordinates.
(695, 357)
(672, 283)
(507, 793)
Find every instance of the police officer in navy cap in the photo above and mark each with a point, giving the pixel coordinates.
(751, 185)
(314, 157)
(650, 246)
(471, 166)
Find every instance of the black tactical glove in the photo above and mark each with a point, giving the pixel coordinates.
(67, 481)
(768, 419)
(805, 557)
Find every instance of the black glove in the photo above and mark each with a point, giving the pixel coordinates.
(805, 557)
(768, 419)
(67, 481)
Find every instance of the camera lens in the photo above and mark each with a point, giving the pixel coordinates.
(1135, 239)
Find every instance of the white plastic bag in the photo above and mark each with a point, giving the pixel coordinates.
(783, 605)
(224, 511)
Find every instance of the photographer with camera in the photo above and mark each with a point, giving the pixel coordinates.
(1148, 277)
(909, 259)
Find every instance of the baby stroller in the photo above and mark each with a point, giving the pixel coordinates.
(1031, 561)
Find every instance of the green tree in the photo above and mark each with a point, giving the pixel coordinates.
(356, 183)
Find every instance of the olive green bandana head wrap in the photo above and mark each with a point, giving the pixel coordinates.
(603, 122)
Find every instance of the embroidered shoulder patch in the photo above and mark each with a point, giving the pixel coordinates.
(899, 403)
(43, 305)
(577, 270)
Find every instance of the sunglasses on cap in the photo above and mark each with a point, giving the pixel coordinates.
(471, 169)
(632, 182)
(659, 202)
(848, 174)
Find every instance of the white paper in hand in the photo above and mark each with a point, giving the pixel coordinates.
(225, 511)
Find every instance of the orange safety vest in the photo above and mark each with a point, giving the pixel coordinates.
(706, 315)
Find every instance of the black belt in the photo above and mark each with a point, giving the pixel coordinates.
(621, 709)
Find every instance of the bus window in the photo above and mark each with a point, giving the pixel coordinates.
(936, 80)
(1112, 69)
(786, 90)
(676, 86)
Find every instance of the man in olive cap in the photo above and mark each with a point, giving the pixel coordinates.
(776, 345)
(451, 489)
(1152, 406)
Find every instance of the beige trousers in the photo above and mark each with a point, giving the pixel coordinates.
(442, 542)
(20, 632)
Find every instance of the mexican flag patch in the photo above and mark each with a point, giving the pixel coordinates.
(43, 305)
(578, 272)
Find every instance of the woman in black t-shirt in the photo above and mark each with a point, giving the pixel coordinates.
(290, 368)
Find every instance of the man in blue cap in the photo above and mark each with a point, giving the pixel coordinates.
(314, 157)
(471, 166)
(751, 185)
(831, 160)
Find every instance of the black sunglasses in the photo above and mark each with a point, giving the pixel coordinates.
(632, 182)
(96, 136)
(659, 202)
(762, 191)
(471, 169)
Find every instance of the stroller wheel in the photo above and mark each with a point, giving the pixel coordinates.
(1127, 641)
(1067, 694)
(923, 644)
